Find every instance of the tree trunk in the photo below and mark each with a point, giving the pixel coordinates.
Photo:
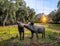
(5, 20)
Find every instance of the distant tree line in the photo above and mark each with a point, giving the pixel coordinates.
(12, 11)
(53, 16)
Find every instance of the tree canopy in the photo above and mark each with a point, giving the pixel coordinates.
(11, 12)
(55, 15)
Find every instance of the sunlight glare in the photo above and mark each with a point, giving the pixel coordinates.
(44, 19)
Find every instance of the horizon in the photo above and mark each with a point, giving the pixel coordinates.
(42, 6)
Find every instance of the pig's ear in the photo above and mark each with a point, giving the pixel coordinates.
(24, 25)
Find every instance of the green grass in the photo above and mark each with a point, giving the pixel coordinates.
(9, 35)
(54, 26)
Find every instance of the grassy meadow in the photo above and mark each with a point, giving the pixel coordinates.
(9, 36)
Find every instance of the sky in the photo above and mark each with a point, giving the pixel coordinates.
(42, 6)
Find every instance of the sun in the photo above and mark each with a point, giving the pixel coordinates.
(44, 19)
